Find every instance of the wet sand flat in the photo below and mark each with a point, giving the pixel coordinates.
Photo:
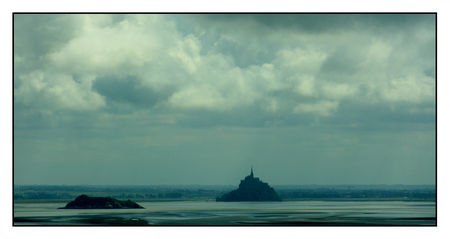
(206, 213)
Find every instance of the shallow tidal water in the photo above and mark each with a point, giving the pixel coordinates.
(204, 213)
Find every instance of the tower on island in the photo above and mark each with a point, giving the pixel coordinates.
(251, 188)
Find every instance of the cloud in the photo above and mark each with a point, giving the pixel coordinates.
(127, 89)
(338, 91)
(43, 90)
(38, 34)
(252, 24)
(202, 97)
(104, 47)
(307, 65)
(411, 89)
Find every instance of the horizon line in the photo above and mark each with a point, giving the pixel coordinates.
(193, 184)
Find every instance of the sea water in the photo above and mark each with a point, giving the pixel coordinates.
(202, 213)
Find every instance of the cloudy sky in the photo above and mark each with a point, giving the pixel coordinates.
(199, 99)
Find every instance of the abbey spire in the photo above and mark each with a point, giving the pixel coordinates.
(250, 188)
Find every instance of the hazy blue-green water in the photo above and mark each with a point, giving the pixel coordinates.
(235, 213)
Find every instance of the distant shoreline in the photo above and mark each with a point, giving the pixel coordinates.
(64, 194)
(213, 200)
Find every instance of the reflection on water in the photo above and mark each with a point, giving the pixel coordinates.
(234, 213)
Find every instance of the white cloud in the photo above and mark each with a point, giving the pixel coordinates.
(306, 86)
(187, 52)
(199, 97)
(338, 91)
(378, 52)
(300, 60)
(100, 48)
(57, 91)
(410, 89)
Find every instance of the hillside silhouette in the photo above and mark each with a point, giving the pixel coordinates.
(251, 189)
(86, 202)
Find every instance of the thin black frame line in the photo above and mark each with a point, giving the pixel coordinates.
(12, 130)
(436, 113)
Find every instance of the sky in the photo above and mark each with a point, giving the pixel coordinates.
(199, 99)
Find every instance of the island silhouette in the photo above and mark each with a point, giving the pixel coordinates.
(85, 202)
(251, 189)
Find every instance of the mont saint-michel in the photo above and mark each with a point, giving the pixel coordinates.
(251, 189)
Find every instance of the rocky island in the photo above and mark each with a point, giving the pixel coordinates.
(86, 202)
(251, 189)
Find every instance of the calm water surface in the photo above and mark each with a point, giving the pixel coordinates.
(234, 213)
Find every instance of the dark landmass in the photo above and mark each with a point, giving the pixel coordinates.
(86, 202)
(251, 189)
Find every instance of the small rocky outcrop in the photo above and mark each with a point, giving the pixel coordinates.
(86, 202)
(251, 189)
